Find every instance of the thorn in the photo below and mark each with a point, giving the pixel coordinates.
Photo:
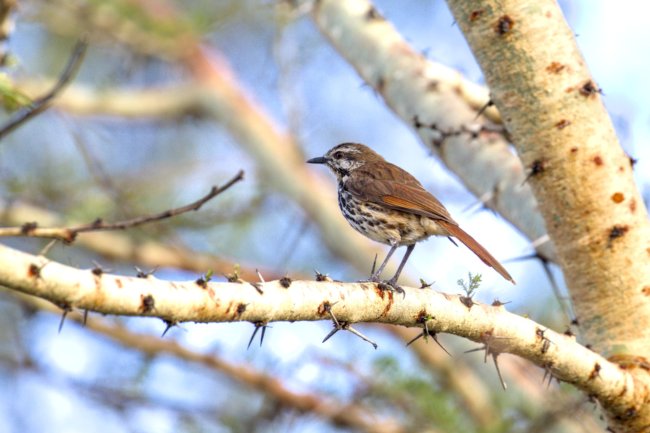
(540, 241)
(170, 324)
(258, 326)
(98, 270)
(322, 277)
(488, 338)
(47, 247)
(338, 326)
(546, 266)
(144, 274)
(496, 365)
(482, 202)
(66, 310)
(259, 275)
(426, 333)
(547, 374)
(258, 287)
(487, 105)
(85, 319)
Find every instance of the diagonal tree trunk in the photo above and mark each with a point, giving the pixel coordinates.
(582, 178)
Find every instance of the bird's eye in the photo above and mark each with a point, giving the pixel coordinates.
(338, 154)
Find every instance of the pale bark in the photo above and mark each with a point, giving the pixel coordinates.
(174, 302)
(553, 110)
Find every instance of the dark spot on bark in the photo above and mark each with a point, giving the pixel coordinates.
(476, 14)
(595, 372)
(504, 25)
(589, 88)
(147, 303)
(97, 271)
(34, 271)
(322, 277)
(574, 149)
(118, 283)
(285, 282)
(617, 231)
(555, 67)
(28, 228)
(373, 14)
(324, 308)
(598, 160)
(633, 161)
(466, 301)
(201, 282)
(432, 86)
(240, 309)
(562, 124)
(646, 290)
(618, 197)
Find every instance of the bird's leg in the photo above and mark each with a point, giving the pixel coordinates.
(393, 281)
(375, 276)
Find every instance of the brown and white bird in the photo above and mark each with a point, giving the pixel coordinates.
(388, 205)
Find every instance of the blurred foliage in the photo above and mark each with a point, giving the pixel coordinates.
(11, 97)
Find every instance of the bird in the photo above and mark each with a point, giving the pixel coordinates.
(388, 205)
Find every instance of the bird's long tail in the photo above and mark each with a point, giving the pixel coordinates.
(476, 248)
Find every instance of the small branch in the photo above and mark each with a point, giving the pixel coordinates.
(41, 104)
(68, 234)
(116, 246)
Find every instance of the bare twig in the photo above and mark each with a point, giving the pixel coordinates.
(41, 104)
(68, 234)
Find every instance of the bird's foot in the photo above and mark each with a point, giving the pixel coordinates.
(392, 286)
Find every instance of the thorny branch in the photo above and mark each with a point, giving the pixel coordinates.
(41, 104)
(68, 234)
(176, 302)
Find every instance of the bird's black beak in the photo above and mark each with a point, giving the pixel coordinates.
(318, 160)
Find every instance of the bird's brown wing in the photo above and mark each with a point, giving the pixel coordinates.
(388, 185)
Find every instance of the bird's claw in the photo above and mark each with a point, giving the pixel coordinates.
(392, 286)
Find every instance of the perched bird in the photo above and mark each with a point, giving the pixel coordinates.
(388, 205)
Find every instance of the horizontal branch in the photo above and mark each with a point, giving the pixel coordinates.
(199, 301)
(69, 234)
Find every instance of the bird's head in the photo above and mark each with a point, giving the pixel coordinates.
(346, 157)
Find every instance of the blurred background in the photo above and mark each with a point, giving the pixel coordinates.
(87, 158)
